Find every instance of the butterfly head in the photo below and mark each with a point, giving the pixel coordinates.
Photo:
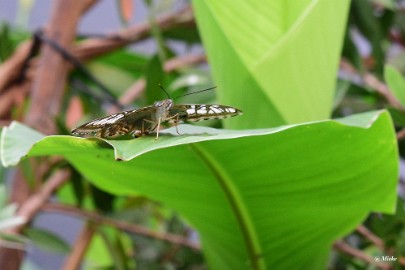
(163, 108)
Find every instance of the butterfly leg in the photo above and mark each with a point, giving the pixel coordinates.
(152, 127)
(136, 133)
(176, 121)
(176, 124)
(157, 129)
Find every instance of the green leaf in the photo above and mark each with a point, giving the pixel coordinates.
(362, 14)
(154, 76)
(126, 60)
(182, 33)
(114, 78)
(11, 222)
(98, 254)
(3, 193)
(16, 238)
(265, 199)
(398, 116)
(275, 60)
(16, 145)
(102, 200)
(395, 82)
(7, 211)
(47, 240)
(341, 89)
(6, 46)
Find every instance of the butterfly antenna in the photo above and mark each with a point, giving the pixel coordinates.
(196, 92)
(167, 94)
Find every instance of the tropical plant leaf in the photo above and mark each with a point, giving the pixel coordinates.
(259, 198)
(7, 223)
(17, 145)
(47, 240)
(396, 83)
(275, 60)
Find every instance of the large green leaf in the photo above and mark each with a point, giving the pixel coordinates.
(274, 59)
(259, 198)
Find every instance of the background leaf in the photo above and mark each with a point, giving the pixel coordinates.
(47, 240)
(264, 63)
(396, 83)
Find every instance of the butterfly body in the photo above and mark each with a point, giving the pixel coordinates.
(145, 120)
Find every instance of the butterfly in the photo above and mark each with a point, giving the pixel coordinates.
(142, 121)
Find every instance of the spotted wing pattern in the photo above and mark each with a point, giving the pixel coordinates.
(133, 122)
(145, 120)
(199, 112)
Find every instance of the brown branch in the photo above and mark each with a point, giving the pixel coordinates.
(87, 5)
(401, 134)
(10, 258)
(34, 203)
(94, 47)
(125, 226)
(381, 88)
(345, 248)
(184, 61)
(11, 68)
(371, 81)
(85, 50)
(169, 66)
(46, 99)
(13, 97)
(377, 241)
(80, 246)
(48, 87)
(132, 93)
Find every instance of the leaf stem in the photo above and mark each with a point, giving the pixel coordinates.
(256, 260)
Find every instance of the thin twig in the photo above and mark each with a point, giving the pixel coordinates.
(80, 246)
(401, 134)
(11, 68)
(348, 72)
(377, 241)
(169, 66)
(345, 248)
(34, 203)
(48, 87)
(184, 61)
(128, 227)
(133, 92)
(10, 258)
(94, 47)
(76, 63)
(14, 97)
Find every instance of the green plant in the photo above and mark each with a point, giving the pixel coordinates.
(270, 198)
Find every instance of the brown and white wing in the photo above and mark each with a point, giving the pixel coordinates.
(198, 112)
(119, 124)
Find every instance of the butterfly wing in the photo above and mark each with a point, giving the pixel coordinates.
(144, 120)
(198, 112)
(133, 122)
